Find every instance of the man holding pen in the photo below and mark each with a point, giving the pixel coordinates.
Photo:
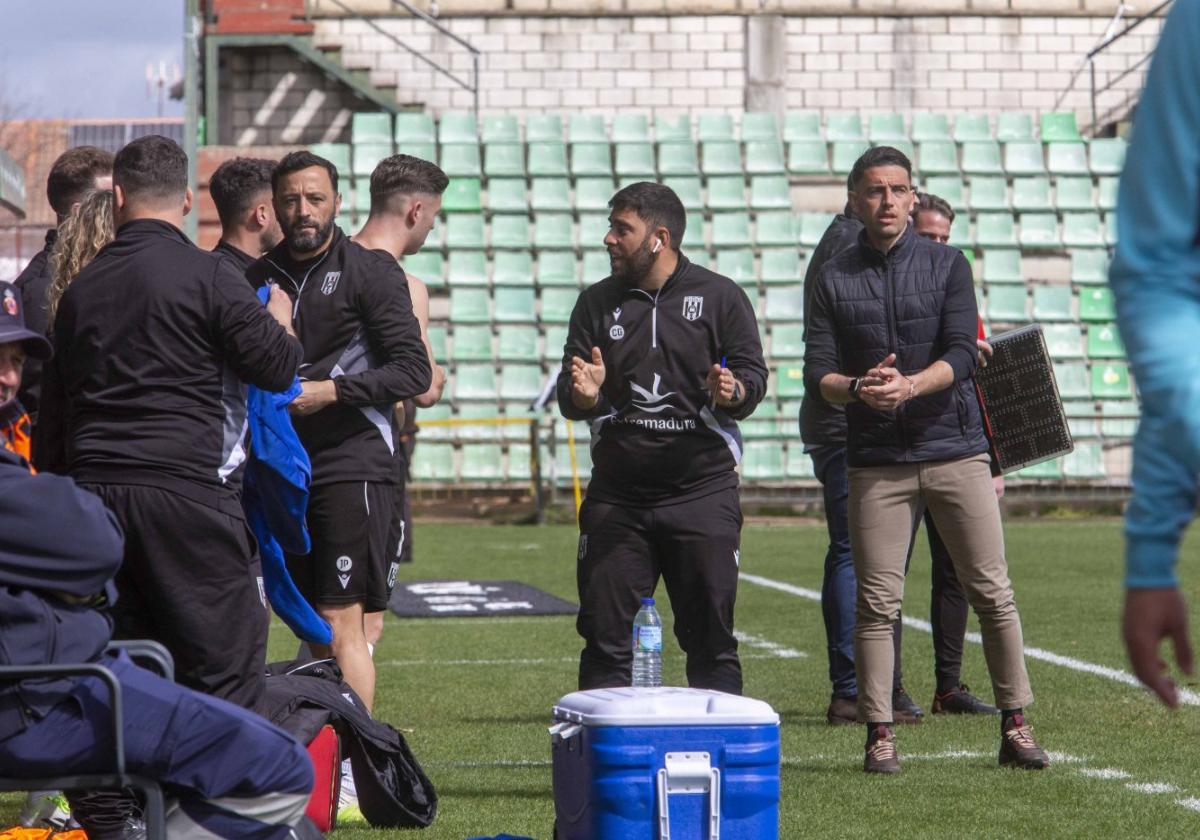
(663, 357)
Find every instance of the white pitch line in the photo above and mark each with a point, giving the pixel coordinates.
(1187, 696)
(773, 648)
(1152, 787)
(416, 663)
(1191, 803)
(1104, 773)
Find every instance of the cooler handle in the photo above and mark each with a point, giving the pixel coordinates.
(686, 784)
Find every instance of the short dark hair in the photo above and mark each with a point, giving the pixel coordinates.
(151, 168)
(74, 175)
(236, 184)
(878, 156)
(930, 203)
(656, 205)
(406, 175)
(295, 161)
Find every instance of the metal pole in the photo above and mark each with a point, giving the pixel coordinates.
(1095, 117)
(191, 26)
(475, 79)
(535, 469)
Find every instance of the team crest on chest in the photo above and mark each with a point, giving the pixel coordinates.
(331, 281)
(693, 305)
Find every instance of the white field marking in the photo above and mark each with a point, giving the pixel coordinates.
(773, 648)
(1191, 803)
(1191, 698)
(1064, 758)
(414, 663)
(502, 762)
(1104, 773)
(1152, 787)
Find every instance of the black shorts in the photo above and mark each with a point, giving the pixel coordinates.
(349, 562)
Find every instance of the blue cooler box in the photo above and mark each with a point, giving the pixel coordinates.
(664, 764)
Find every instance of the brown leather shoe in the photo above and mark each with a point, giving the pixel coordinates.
(842, 711)
(881, 754)
(1019, 749)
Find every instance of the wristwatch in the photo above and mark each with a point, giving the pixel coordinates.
(855, 384)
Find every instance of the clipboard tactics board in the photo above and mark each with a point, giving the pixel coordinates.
(1025, 417)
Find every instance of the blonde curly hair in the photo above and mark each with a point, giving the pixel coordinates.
(80, 237)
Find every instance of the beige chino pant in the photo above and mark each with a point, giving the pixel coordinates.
(884, 503)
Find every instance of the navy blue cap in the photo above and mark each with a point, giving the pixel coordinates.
(12, 325)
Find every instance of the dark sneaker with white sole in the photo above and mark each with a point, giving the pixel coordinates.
(904, 708)
(1018, 748)
(960, 701)
(881, 754)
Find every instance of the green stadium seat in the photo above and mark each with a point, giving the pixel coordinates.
(1110, 381)
(510, 232)
(1032, 193)
(1085, 462)
(1052, 303)
(483, 413)
(434, 463)
(336, 153)
(428, 266)
(414, 127)
(886, 128)
(845, 153)
(458, 127)
(500, 128)
(1096, 305)
(520, 382)
(636, 160)
(557, 303)
(1008, 304)
(763, 424)
(367, 157)
(1002, 265)
(785, 303)
(844, 125)
(553, 231)
(813, 227)
(905, 147)
(1059, 127)
(762, 460)
(555, 341)
(787, 341)
(948, 187)
(424, 151)
(801, 125)
(469, 306)
(1066, 158)
(550, 195)
(1081, 418)
(593, 227)
(799, 464)
(514, 305)
(730, 230)
(995, 230)
(371, 128)
(1013, 126)
(789, 382)
(591, 159)
(781, 265)
(1106, 191)
(1082, 230)
(464, 231)
(1119, 419)
(989, 193)
(1040, 230)
(592, 194)
(1064, 341)
(808, 157)
(519, 459)
(547, 158)
(507, 195)
(467, 268)
(472, 343)
(1045, 471)
(678, 158)
(557, 268)
(587, 128)
(1108, 156)
(727, 192)
(461, 160)
(971, 128)
(1024, 157)
(1072, 380)
(737, 264)
(630, 128)
(1089, 266)
(981, 157)
(1104, 342)
(512, 268)
(760, 126)
(595, 266)
(686, 187)
(474, 382)
(543, 128)
(1073, 193)
(926, 126)
(714, 127)
(765, 158)
(481, 462)
(693, 234)
(504, 160)
(361, 203)
(1110, 228)
(672, 129)
(438, 335)
(463, 195)
(721, 158)
(774, 227)
(937, 157)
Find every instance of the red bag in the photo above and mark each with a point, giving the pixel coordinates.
(325, 750)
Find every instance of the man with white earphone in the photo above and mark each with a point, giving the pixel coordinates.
(663, 357)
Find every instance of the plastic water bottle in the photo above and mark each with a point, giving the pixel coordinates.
(647, 646)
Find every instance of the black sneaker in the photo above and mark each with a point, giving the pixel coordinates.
(842, 711)
(960, 701)
(1019, 749)
(881, 754)
(904, 708)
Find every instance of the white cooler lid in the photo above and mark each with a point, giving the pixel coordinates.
(666, 706)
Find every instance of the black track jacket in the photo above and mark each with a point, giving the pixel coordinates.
(655, 438)
(354, 316)
(154, 341)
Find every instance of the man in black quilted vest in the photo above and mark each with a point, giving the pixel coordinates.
(892, 336)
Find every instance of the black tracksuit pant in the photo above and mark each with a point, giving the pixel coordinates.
(623, 550)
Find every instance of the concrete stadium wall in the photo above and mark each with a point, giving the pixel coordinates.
(459, 8)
